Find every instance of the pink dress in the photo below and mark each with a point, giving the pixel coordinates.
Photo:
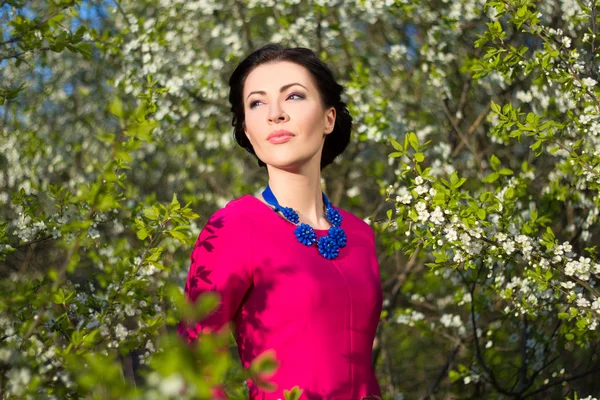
(318, 315)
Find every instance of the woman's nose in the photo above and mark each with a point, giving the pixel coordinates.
(276, 113)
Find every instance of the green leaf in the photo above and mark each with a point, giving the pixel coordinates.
(76, 337)
(496, 108)
(396, 145)
(481, 214)
(454, 179)
(142, 130)
(106, 137)
(78, 36)
(563, 315)
(174, 206)
(549, 233)
(536, 145)
(510, 193)
(412, 214)
(493, 177)
(494, 162)
(60, 42)
(90, 338)
(150, 213)
(419, 157)
(533, 215)
(293, 394)
(460, 182)
(85, 49)
(116, 107)
(179, 236)
(413, 140)
(453, 376)
(573, 311)
(52, 274)
(141, 231)
(59, 297)
(265, 363)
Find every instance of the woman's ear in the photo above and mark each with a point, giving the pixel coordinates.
(330, 120)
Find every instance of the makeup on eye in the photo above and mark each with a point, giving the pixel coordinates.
(300, 96)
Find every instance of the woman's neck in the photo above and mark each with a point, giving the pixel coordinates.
(301, 191)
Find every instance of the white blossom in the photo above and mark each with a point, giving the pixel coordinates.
(121, 332)
(18, 380)
(451, 234)
(171, 385)
(403, 196)
(589, 82)
(421, 189)
(409, 319)
(437, 216)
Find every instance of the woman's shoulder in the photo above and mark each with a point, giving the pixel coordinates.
(236, 211)
(232, 221)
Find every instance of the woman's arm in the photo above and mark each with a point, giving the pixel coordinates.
(220, 263)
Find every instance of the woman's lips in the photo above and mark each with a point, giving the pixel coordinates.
(280, 139)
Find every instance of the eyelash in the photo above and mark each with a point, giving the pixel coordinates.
(253, 104)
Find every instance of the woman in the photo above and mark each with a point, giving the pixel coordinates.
(295, 274)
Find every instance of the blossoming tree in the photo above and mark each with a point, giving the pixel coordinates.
(475, 157)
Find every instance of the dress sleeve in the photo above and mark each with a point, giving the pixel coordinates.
(221, 263)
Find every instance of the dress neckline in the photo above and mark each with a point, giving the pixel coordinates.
(318, 231)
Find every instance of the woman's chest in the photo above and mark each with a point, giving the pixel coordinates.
(294, 279)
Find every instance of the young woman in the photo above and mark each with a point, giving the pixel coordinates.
(295, 273)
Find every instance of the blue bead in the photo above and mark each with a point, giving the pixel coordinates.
(334, 216)
(328, 248)
(338, 235)
(290, 214)
(305, 234)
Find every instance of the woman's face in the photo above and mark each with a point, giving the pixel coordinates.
(281, 99)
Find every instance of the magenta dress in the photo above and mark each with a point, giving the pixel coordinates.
(318, 315)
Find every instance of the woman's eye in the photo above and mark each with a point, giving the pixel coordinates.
(256, 102)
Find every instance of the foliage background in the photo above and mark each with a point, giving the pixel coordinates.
(116, 146)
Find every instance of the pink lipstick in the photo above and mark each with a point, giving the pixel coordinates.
(280, 136)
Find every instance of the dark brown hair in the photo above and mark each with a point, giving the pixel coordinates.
(329, 90)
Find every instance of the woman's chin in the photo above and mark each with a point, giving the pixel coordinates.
(288, 164)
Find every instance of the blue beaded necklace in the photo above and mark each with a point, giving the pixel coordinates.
(329, 245)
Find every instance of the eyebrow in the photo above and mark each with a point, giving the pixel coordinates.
(282, 89)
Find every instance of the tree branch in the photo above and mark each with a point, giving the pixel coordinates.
(17, 55)
(561, 381)
(246, 26)
(478, 351)
(42, 22)
(460, 133)
(442, 374)
(471, 129)
(523, 368)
